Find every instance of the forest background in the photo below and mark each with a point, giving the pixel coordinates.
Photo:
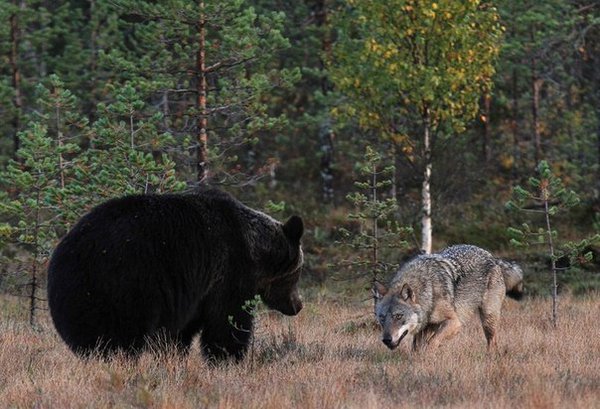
(366, 118)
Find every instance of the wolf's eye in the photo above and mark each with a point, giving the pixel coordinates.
(398, 316)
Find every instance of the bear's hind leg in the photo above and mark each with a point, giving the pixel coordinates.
(186, 336)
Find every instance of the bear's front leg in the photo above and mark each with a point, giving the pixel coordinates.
(225, 338)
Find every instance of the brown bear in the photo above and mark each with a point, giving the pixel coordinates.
(148, 268)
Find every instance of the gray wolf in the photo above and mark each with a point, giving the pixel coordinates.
(432, 296)
(166, 268)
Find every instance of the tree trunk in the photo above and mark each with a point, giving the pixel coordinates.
(536, 83)
(598, 152)
(33, 294)
(426, 227)
(60, 143)
(202, 137)
(485, 143)
(326, 134)
(514, 124)
(91, 114)
(552, 257)
(321, 20)
(375, 260)
(596, 98)
(16, 78)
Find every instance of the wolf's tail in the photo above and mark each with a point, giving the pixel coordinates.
(513, 279)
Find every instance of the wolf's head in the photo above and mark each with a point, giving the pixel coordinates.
(396, 312)
(513, 278)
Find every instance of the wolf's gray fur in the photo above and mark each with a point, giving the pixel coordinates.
(432, 296)
(513, 278)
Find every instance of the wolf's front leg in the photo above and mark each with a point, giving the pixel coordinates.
(445, 330)
(423, 337)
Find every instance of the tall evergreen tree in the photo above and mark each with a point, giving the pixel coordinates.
(128, 153)
(306, 143)
(204, 65)
(526, 32)
(40, 191)
(589, 80)
(19, 49)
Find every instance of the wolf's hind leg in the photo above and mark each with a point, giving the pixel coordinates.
(489, 312)
(489, 322)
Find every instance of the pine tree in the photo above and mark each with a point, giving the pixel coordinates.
(307, 143)
(548, 112)
(546, 196)
(39, 196)
(378, 230)
(128, 153)
(18, 51)
(204, 64)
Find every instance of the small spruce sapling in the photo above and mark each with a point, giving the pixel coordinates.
(375, 216)
(545, 196)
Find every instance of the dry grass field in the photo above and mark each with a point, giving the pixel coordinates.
(327, 357)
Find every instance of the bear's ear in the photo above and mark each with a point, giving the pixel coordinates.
(293, 229)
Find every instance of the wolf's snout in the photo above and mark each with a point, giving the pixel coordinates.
(389, 343)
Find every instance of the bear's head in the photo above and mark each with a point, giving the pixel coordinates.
(281, 266)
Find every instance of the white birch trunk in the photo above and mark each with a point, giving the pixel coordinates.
(426, 228)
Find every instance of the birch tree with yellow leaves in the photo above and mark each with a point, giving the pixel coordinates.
(413, 71)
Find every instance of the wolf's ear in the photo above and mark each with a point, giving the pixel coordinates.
(293, 229)
(379, 290)
(407, 293)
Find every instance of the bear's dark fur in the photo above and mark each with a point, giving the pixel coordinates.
(151, 268)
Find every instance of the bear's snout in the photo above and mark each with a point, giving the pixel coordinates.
(291, 308)
(297, 305)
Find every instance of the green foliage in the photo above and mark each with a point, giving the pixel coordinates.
(547, 46)
(37, 198)
(412, 70)
(378, 230)
(29, 190)
(273, 208)
(52, 182)
(239, 47)
(546, 195)
(128, 153)
(41, 188)
(410, 59)
(250, 307)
